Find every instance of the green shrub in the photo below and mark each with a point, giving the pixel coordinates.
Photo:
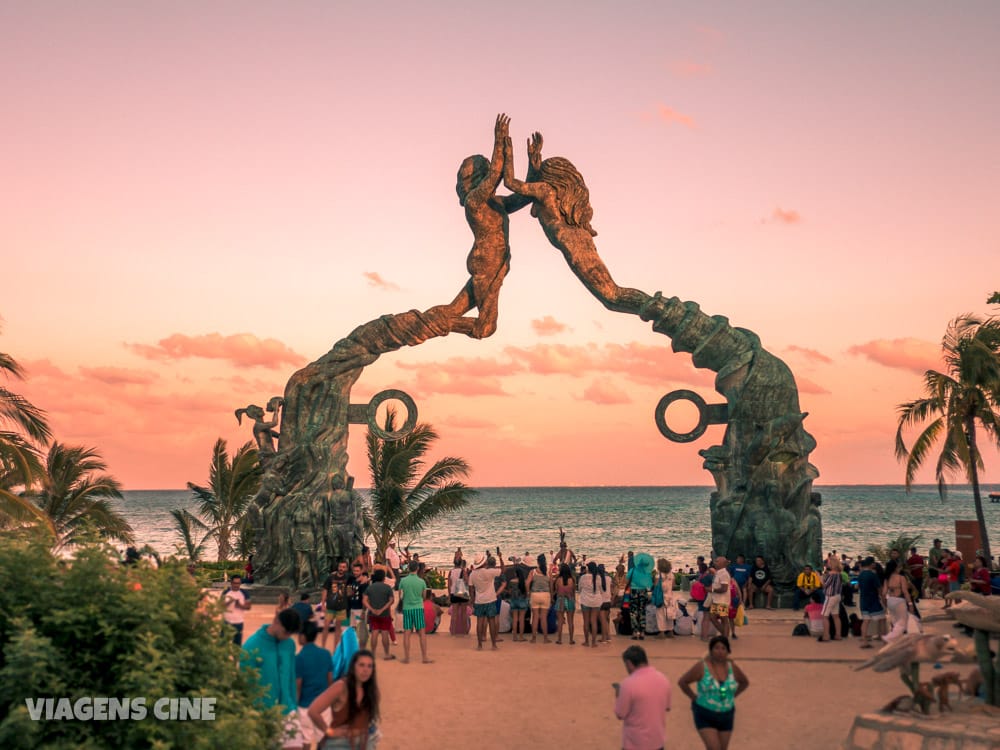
(435, 579)
(90, 627)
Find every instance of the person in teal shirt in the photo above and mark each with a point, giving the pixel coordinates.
(640, 580)
(271, 651)
(412, 588)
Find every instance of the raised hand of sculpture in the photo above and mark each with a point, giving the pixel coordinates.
(561, 203)
(487, 214)
(263, 432)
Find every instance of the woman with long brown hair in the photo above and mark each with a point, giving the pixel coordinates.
(353, 700)
(540, 597)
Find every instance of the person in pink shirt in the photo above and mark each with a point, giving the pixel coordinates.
(641, 702)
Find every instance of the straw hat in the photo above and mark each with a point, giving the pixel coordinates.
(480, 561)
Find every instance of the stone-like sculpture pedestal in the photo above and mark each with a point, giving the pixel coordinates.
(968, 727)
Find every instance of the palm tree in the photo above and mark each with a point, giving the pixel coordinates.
(956, 402)
(75, 496)
(232, 484)
(22, 427)
(403, 501)
(189, 526)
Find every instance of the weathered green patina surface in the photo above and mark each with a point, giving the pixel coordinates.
(307, 515)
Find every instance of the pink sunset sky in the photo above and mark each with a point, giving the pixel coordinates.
(200, 198)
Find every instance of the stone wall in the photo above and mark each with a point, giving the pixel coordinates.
(962, 730)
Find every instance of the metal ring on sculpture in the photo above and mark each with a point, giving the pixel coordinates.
(411, 414)
(661, 420)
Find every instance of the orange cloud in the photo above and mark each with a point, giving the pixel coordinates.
(241, 349)
(914, 355)
(41, 368)
(468, 423)
(806, 385)
(782, 216)
(375, 280)
(689, 69)
(810, 354)
(668, 115)
(431, 379)
(119, 375)
(604, 391)
(638, 363)
(548, 326)
(474, 367)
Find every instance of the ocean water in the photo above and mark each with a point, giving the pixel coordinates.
(605, 522)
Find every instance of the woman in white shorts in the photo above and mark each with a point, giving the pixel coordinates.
(833, 587)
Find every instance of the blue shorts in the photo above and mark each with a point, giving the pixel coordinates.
(485, 610)
(518, 603)
(706, 718)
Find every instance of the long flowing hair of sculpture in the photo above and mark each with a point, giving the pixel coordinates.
(572, 195)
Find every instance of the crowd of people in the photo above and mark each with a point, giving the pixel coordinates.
(365, 604)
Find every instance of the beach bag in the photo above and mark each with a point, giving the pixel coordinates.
(657, 599)
(801, 629)
(741, 616)
(651, 627)
(684, 625)
(698, 591)
(551, 620)
(460, 590)
(672, 608)
(623, 623)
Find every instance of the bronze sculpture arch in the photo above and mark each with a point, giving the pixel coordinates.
(307, 514)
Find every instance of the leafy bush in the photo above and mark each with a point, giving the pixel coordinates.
(90, 627)
(435, 579)
(901, 543)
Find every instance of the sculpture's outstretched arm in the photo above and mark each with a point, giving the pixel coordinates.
(513, 203)
(488, 187)
(532, 190)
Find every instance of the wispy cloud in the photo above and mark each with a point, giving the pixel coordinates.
(548, 326)
(119, 375)
(241, 349)
(376, 280)
(430, 379)
(810, 354)
(783, 216)
(638, 363)
(806, 385)
(672, 116)
(605, 392)
(472, 367)
(468, 423)
(689, 69)
(910, 354)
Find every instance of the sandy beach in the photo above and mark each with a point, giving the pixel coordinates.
(560, 695)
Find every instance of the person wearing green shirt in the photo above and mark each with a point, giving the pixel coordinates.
(412, 588)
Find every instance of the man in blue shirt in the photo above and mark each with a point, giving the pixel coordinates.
(740, 571)
(305, 610)
(313, 675)
(870, 602)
